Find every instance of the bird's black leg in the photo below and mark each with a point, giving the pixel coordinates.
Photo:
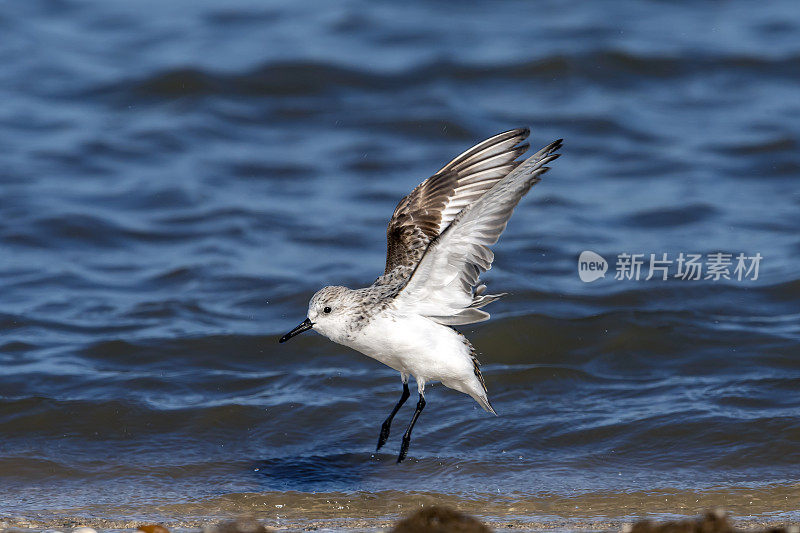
(387, 424)
(407, 436)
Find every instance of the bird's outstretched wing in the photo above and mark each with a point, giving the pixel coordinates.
(445, 285)
(431, 207)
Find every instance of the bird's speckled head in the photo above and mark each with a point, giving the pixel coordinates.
(332, 310)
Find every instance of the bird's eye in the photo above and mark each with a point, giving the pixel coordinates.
(326, 309)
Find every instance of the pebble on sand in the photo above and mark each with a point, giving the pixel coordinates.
(439, 519)
(240, 525)
(153, 528)
(711, 522)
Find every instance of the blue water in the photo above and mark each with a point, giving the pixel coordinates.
(178, 178)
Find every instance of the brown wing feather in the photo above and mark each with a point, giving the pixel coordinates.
(432, 205)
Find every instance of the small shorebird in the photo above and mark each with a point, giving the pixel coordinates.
(438, 245)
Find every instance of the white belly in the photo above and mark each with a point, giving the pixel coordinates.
(417, 346)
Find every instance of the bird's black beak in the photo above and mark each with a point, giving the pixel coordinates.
(305, 325)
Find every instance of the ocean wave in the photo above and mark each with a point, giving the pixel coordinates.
(309, 78)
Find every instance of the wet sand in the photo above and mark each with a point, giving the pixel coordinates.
(748, 508)
(372, 525)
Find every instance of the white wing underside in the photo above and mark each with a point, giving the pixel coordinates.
(445, 285)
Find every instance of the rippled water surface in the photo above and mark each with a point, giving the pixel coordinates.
(178, 178)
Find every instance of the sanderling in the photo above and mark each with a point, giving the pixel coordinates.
(438, 246)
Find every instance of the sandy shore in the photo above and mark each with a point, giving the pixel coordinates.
(748, 508)
(353, 525)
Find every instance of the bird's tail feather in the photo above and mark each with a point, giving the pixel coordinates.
(484, 402)
(481, 396)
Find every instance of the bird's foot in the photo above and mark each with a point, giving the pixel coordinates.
(384, 436)
(404, 449)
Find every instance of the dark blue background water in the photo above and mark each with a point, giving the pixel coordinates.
(178, 178)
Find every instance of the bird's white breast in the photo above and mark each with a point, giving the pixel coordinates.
(413, 344)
